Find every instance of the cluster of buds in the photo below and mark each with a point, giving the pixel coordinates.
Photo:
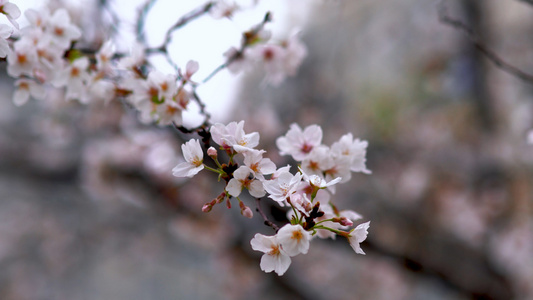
(307, 192)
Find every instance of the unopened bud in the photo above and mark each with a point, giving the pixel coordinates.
(343, 221)
(207, 207)
(228, 204)
(220, 198)
(247, 212)
(212, 152)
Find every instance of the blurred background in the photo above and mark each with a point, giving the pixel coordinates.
(89, 208)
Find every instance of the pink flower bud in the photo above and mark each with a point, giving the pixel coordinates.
(207, 207)
(345, 221)
(247, 212)
(191, 68)
(220, 198)
(212, 152)
(228, 204)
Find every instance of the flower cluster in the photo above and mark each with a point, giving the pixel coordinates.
(307, 192)
(158, 97)
(44, 56)
(278, 60)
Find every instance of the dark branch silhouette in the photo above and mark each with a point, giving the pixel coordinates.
(481, 47)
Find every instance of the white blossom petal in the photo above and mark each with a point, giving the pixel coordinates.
(357, 236)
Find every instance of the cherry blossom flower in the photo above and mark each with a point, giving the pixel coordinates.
(272, 58)
(104, 57)
(194, 156)
(154, 98)
(294, 239)
(23, 59)
(223, 9)
(25, 89)
(5, 33)
(260, 166)
(282, 186)
(340, 168)
(233, 136)
(74, 77)
(317, 181)
(274, 257)
(318, 160)
(357, 236)
(37, 18)
(243, 178)
(169, 112)
(354, 149)
(61, 30)
(11, 11)
(300, 143)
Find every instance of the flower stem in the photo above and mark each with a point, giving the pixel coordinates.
(214, 170)
(339, 232)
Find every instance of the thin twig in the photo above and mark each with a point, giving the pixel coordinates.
(239, 54)
(184, 20)
(489, 54)
(105, 6)
(141, 20)
(267, 221)
(200, 103)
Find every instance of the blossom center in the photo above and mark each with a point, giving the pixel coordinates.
(75, 72)
(268, 54)
(171, 109)
(306, 148)
(196, 161)
(274, 250)
(24, 86)
(58, 31)
(297, 235)
(313, 165)
(22, 59)
(164, 86)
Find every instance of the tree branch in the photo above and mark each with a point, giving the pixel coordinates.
(239, 54)
(267, 221)
(474, 38)
(141, 20)
(184, 20)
